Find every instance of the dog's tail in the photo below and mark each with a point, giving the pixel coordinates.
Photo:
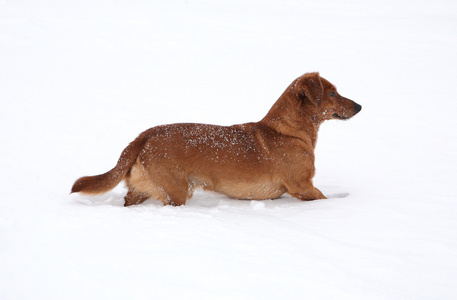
(99, 184)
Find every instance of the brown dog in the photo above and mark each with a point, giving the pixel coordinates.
(260, 160)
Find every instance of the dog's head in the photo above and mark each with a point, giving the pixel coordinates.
(320, 97)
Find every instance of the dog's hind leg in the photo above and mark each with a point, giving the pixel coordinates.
(177, 192)
(134, 197)
(175, 186)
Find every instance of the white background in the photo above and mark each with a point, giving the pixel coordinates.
(79, 80)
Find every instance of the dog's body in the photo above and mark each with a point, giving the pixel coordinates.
(260, 160)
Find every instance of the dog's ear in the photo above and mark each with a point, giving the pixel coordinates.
(310, 86)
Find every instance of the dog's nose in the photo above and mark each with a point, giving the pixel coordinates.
(357, 107)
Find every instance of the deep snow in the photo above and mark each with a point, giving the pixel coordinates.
(80, 79)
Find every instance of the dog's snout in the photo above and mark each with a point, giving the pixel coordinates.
(357, 107)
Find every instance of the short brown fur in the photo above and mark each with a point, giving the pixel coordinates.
(261, 160)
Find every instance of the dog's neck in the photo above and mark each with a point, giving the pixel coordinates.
(288, 118)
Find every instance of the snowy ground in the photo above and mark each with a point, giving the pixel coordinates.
(81, 79)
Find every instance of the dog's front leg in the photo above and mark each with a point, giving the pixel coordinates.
(305, 192)
(314, 194)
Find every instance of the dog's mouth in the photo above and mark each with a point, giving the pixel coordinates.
(337, 116)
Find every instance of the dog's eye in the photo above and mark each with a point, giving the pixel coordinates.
(332, 94)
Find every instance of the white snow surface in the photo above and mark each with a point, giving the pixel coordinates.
(79, 80)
